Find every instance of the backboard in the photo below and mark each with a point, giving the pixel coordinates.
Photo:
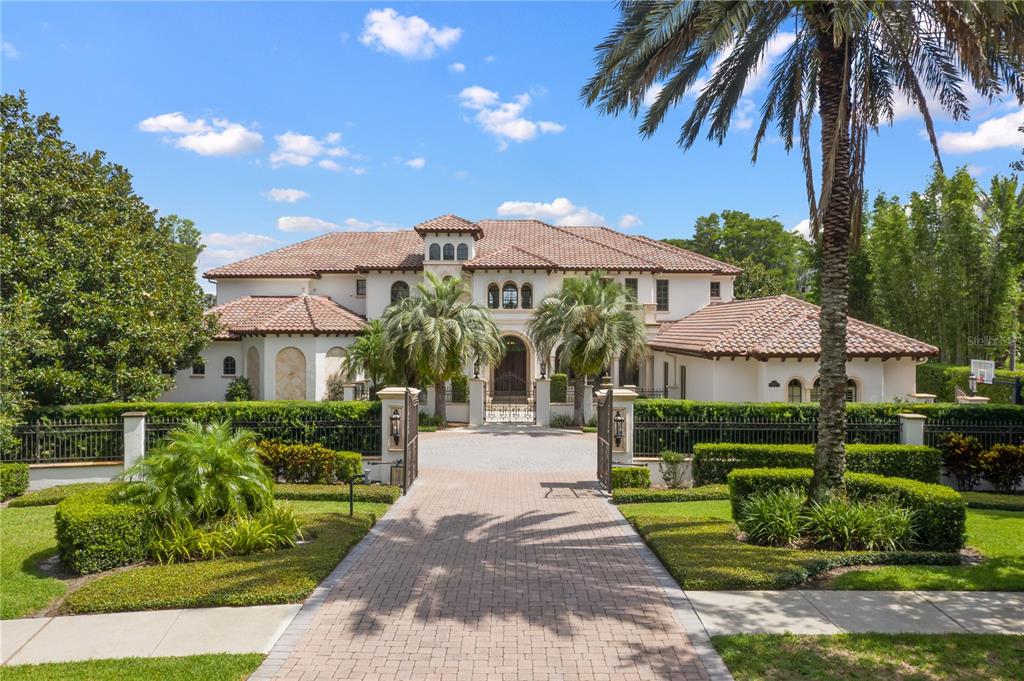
(983, 370)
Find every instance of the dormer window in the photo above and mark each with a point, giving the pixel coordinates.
(449, 252)
(434, 252)
(716, 289)
(462, 252)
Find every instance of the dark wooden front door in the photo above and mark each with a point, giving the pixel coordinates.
(510, 374)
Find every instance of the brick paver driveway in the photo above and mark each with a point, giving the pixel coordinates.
(504, 563)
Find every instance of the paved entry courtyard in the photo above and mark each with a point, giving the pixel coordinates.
(504, 563)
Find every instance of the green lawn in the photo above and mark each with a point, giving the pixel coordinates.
(26, 538)
(852, 657)
(1004, 502)
(696, 542)
(194, 668)
(999, 535)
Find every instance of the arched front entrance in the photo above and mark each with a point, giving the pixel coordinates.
(510, 376)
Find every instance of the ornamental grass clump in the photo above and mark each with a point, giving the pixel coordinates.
(774, 517)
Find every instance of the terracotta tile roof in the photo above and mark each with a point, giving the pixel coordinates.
(781, 326)
(284, 314)
(545, 246)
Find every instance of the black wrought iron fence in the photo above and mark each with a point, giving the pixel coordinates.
(652, 437)
(566, 397)
(652, 394)
(1005, 432)
(66, 442)
(351, 436)
(454, 395)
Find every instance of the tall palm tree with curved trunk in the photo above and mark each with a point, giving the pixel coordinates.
(848, 61)
(591, 321)
(434, 332)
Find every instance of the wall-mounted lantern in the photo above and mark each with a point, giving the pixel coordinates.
(620, 421)
(476, 369)
(544, 369)
(396, 426)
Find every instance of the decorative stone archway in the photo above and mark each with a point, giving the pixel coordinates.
(512, 374)
(290, 375)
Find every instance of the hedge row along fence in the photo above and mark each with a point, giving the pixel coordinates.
(942, 380)
(941, 513)
(712, 462)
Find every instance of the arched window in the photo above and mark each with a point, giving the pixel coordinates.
(816, 390)
(509, 296)
(449, 252)
(492, 296)
(462, 252)
(527, 296)
(399, 290)
(435, 252)
(851, 390)
(229, 366)
(795, 391)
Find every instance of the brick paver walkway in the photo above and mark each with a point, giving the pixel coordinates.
(496, 575)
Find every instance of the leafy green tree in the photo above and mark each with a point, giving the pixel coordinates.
(432, 334)
(99, 297)
(848, 62)
(591, 321)
(371, 356)
(757, 281)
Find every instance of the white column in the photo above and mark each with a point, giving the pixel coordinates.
(134, 424)
(542, 404)
(912, 428)
(392, 403)
(427, 406)
(588, 403)
(476, 401)
(622, 406)
(348, 392)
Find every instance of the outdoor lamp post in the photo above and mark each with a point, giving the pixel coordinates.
(619, 421)
(396, 422)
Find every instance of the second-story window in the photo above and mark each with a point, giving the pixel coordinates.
(434, 253)
(399, 290)
(492, 296)
(716, 289)
(509, 296)
(661, 294)
(632, 288)
(449, 252)
(360, 287)
(527, 293)
(462, 252)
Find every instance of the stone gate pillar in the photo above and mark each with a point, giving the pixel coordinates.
(588, 403)
(134, 424)
(622, 425)
(476, 401)
(542, 402)
(392, 430)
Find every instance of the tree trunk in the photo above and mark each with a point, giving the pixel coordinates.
(577, 401)
(439, 403)
(830, 452)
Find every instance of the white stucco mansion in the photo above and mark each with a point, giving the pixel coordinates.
(286, 315)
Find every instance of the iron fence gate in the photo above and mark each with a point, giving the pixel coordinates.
(411, 447)
(604, 441)
(512, 400)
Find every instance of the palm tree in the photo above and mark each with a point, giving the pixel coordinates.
(591, 320)
(849, 60)
(434, 333)
(370, 355)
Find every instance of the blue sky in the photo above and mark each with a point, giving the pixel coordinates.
(376, 116)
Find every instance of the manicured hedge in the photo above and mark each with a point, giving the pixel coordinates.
(559, 387)
(713, 461)
(942, 380)
(280, 411)
(941, 511)
(13, 480)
(636, 495)
(51, 496)
(378, 494)
(94, 533)
(311, 464)
(631, 476)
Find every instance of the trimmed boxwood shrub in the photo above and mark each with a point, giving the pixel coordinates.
(631, 476)
(51, 496)
(713, 461)
(637, 495)
(375, 494)
(347, 465)
(559, 387)
(941, 511)
(310, 464)
(96, 533)
(13, 480)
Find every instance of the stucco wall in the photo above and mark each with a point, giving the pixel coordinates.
(341, 288)
(211, 386)
(233, 289)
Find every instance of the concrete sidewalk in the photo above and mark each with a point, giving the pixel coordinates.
(837, 612)
(152, 633)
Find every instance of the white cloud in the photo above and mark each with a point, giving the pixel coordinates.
(561, 211)
(505, 120)
(357, 225)
(328, 164)
(975, 170)
(219, 138)
(629, 221)
(416, 163)
(296, 149)
(412, 37)
(991, 134)
(651, 96)
(304, 223)
(457, 67)
(803, 228)
(287, 195)
(744, 115)
(489, 59)
(222, 249)
(9, 50)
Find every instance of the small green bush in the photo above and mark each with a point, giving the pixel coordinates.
(559, 388)
(961, 455)
(431, 421)
(377, 494)
(460, 389)
(561, 421)
(312, 464)
(1003, 466)
(95, 532)
(636, 495)
(671, 468)
(631, 476)
(772, 517)
(713, 461)
(941, 513)
(347, 466)
(13, 480)
(239, 390)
